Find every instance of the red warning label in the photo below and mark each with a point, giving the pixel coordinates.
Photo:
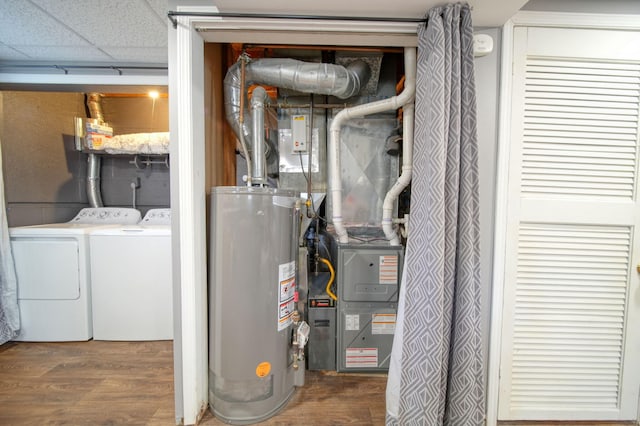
(388, 269)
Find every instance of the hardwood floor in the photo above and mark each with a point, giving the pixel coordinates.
(548, 423)
(131, 383)
(86, 383)
(331, 399)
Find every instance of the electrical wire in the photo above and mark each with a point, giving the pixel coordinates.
(326, 249)
(243, 58)
(331, 279)
(302, 168)
(310, 156)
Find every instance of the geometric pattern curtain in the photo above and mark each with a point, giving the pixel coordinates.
(436, 375)
(9, 313)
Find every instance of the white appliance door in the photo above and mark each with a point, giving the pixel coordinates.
(47, 268)
(571, 299)
(131, 286)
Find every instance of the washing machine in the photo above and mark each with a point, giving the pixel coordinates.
(52, 267)
(131, 280)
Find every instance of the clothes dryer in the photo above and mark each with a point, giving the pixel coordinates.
(52, 267)
(131, 280)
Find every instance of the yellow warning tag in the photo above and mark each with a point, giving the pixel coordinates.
(263, 369)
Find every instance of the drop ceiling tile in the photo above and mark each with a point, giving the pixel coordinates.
(147, 55)
(65, 53)
(161, 8)
(9, 54)
(110, 23)
(23, 24)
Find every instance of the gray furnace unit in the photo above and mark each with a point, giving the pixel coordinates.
(368, 279)
(251, 302)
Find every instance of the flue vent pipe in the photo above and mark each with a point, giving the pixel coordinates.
(258, 98)
(359, 111)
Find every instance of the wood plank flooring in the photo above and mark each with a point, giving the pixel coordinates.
(131, 383)
(331, 399)
(581, 423)
(86, 383)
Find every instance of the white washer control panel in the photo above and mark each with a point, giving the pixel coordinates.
(157, 217)
(107, 215)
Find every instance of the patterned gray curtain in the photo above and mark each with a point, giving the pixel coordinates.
(9, 314)
(436, 375)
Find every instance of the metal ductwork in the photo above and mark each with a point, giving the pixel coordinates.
(307, 77)
(94, 195)
(259, 175)
(335, 170)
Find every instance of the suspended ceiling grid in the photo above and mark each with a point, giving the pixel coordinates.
(135, 31)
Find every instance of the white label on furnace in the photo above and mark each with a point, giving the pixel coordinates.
(352, 322)
(388, 272)
(286, 291)
(383, 323)
(299, 133)
(361, 358)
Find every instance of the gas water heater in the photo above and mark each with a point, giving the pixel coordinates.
(252, 285)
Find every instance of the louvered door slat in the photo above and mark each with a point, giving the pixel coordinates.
(578, 108)
(583, 67)
(620, 100)
(572, 126)
(595, 121)
(558, 139)
(552, 338)
(617, 92)
(611, 137)
(571, 136)
(555, 77)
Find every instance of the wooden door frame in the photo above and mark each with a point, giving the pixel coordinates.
(521, 19)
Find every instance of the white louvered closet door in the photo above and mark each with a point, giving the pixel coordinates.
(571, 323)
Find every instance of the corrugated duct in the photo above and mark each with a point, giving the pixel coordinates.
(94, 195)
(307, 77)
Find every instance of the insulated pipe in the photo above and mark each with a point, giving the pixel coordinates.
(307, 77)
(95, 106)
(258, 98)
(405, 175)
(358, 111)
(311, 77)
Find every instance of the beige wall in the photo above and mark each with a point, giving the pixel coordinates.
(45, 176)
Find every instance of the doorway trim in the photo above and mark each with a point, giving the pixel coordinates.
(186, 98)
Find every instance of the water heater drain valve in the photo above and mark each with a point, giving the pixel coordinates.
(300, 338)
